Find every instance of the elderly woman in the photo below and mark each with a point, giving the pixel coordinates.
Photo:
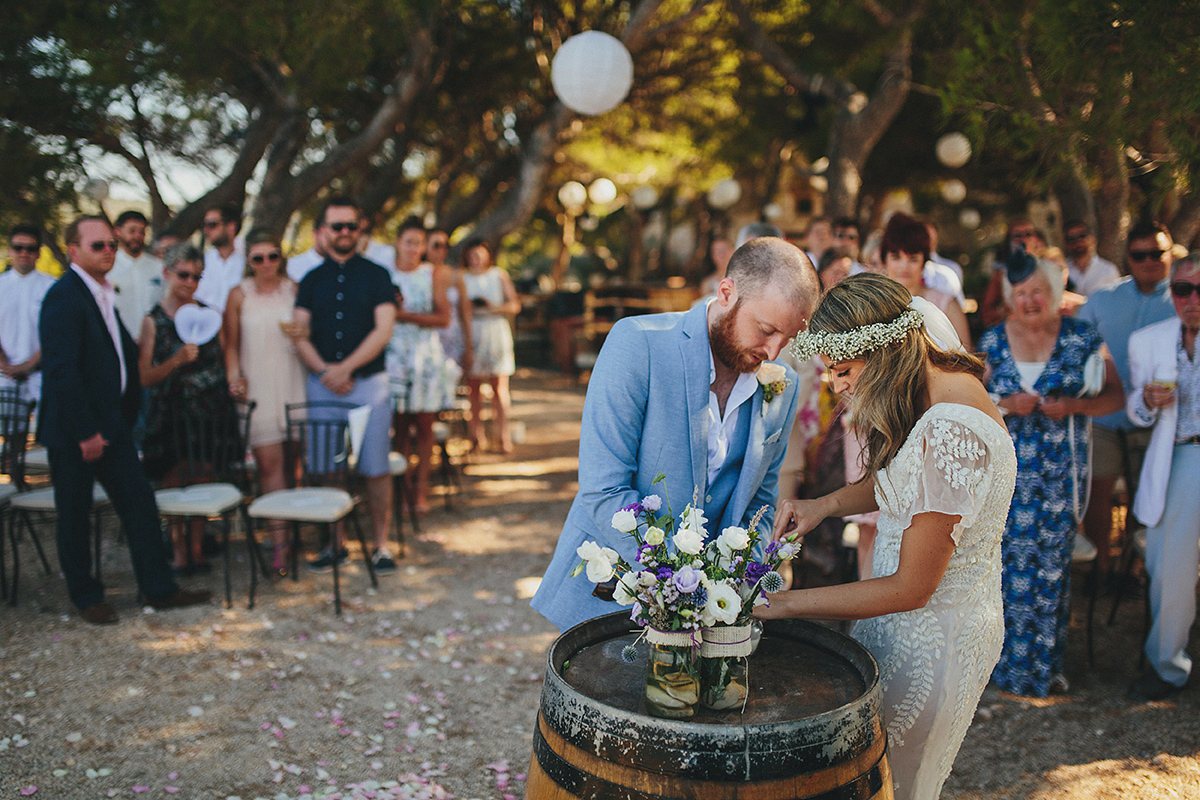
(1165, 393)
(1038, 365)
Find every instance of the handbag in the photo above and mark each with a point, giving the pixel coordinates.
(1093, 375)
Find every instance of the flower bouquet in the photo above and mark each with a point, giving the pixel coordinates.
(681, 588)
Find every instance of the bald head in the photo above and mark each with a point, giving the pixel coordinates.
(769, 264)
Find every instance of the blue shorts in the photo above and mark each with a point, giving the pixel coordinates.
(371, 391)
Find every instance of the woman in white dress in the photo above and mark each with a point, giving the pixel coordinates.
(940, 467)
(494, 303)
(423, 379)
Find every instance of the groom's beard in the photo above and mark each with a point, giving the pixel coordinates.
(723, 340)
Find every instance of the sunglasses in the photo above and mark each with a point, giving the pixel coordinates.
(187, 276)
(1076, 237)
(259, 259)
(1145, 255)
(1183, 290)
(24, 248)
(101, 246)
(338, 227)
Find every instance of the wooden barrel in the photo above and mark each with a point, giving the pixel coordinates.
(812, 727)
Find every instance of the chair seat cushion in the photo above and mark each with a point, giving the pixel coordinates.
(314, 504)
(201, 500)
(43, 499)
(37, 459)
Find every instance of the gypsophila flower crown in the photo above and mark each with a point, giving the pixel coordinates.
(849, 345)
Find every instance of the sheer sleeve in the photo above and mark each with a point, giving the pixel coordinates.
(952, 477)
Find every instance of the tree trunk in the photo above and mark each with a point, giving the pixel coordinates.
(285, 192)
(1112, 200)
(1074, 196)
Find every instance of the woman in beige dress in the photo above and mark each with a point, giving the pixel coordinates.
(261, 362)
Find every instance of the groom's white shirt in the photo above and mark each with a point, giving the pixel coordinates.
(647, 411)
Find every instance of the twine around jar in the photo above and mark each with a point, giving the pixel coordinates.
(672, 638)
(725, 641)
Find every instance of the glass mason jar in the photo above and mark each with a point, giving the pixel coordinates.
(723, 667)
(673, 677)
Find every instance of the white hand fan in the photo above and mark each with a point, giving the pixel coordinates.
(197, 324)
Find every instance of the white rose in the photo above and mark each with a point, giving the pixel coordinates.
(689, 540)
(655, 536)
(693, 518)
(624, 521)
(588, 550)
(771, 373)
(626, 592)
(733, 539)
(601, 568)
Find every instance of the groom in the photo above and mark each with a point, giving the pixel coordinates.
(677, 393)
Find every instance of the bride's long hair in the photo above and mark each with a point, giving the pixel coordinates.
(891, 392)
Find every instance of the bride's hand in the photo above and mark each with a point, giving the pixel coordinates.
(794, 518)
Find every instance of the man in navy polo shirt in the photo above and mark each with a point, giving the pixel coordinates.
(347, 305)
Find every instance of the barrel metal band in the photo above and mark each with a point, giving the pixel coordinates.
(583, 784)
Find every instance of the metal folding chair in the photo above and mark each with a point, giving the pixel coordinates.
(213, 481)
(319, 452)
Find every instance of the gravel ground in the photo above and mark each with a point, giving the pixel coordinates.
(429, 686)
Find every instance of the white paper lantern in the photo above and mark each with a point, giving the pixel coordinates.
(591, 72)
(725, 194)
(953, 149)
(954, 191)
(572, 195)
(969, 218)
(602, 191)
(644, 197)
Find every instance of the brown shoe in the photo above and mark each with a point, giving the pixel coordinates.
(99, 614)
(181, 599)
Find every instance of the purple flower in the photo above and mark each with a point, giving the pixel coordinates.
(664, 574)
(635, 507)
(754, 571)
(772, 547)
(652, 502)
(687, 579)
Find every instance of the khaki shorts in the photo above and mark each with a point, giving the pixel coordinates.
(1106, 452)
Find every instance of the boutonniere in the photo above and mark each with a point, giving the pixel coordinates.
(773, 378)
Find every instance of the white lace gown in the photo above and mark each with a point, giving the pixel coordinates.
(935, 661)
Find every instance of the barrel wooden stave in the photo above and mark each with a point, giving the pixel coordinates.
(588, 748)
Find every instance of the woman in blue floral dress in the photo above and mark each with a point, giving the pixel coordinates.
(1036, 374)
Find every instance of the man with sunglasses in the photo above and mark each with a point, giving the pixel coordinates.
(347, 306)
(1117, 311)
(1165, 374)
(136, 273)
(22, 289)
(90, 398)
(1087, 270)
(224, 261)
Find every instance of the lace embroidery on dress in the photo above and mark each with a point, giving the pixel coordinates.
(935, 661)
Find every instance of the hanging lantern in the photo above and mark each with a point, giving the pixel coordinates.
(725, 194)
(602, 191)
(953, 150)
(591, 72)
(954, 191)
(573, 195)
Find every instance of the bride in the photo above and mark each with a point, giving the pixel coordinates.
(940, 467)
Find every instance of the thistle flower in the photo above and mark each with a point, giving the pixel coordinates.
(629, 654)
(772, 582)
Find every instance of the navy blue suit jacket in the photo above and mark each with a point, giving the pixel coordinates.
(81, 375)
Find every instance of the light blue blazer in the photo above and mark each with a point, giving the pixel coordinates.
(646, 412)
